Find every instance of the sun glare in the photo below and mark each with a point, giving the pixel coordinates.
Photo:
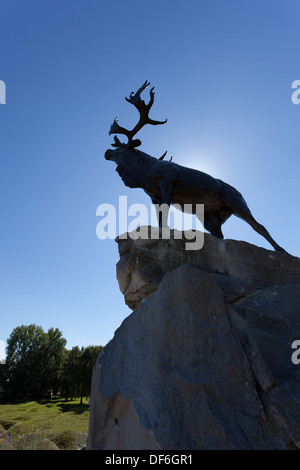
(205, 161)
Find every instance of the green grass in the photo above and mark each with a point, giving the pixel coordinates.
(54, 424)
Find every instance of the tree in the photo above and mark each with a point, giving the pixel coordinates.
(2, 377)
(54, 358)
(33, 361)
(69, 384)
(87, 360)
(77, 373)
(38, 365)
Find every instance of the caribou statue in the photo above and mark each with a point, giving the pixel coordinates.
(169, 183)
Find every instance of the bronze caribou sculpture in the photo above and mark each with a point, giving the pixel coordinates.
(169, 183)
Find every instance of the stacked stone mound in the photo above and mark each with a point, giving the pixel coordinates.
(204, 360)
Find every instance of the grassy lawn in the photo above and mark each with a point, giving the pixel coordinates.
(43, 425)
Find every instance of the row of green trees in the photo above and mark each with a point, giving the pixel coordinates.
(38, 365)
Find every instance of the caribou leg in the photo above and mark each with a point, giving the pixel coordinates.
(157, 203)
(213, 225)
(166, 190)
(264, 232)
(260, 229)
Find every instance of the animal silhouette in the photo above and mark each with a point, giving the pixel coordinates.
(169, 183)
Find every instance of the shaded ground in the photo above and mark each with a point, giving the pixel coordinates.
(52, 424)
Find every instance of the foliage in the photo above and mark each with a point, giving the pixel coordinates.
(30, 440)
(78, 366)
(38, 365)
(33, 362)
(68, 440)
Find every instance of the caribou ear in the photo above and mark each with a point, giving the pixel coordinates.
(135, 143)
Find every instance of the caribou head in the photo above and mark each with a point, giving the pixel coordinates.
(124, 149)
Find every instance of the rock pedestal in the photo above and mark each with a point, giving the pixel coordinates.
(204, 360)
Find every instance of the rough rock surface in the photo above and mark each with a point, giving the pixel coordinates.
(204, 361)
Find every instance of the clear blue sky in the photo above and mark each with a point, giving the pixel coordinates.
(222, 71)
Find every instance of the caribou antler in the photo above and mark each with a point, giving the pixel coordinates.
(143, 109)
(117, 142)
(163, 156)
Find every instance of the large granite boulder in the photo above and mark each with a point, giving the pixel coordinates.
(204, 360)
